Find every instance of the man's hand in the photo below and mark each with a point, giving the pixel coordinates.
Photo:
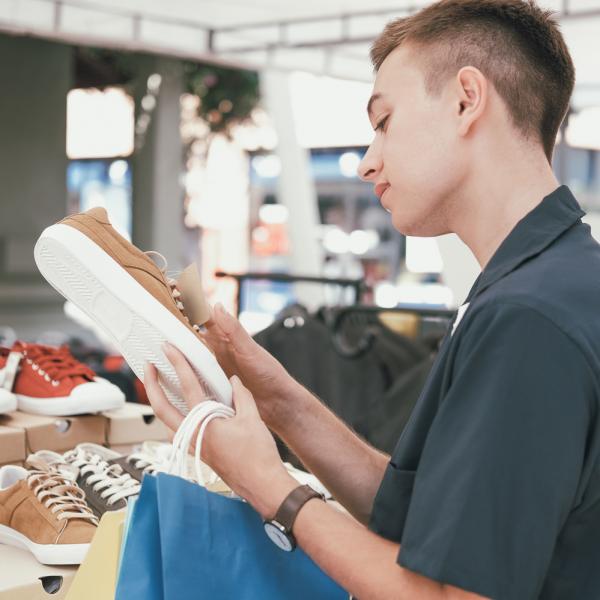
(240, 449)
(238, 354)
(348, 467)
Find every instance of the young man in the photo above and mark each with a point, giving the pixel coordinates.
(493, 490)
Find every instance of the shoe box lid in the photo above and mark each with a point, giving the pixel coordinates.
(12, 445)
(24, 578)
(56, 433)
(126, 449)
(98, 574)
(132, 424)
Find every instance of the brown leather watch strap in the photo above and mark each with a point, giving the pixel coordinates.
(294, 501)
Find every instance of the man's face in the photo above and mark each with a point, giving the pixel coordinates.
(413, 161)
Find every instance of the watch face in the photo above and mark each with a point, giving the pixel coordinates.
(278, 536)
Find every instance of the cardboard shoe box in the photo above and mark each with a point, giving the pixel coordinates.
(131, 425)
(12, 446)
(56, 433)
(23, 578)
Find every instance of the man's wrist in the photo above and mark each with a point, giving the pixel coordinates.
(271, 492)
(286, 407)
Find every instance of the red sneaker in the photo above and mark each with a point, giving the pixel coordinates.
(50, 381)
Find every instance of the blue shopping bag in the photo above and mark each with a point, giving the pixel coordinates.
(212, 547)
(140, 574)
(126, 526)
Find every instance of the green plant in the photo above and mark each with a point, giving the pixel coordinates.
(227, 96)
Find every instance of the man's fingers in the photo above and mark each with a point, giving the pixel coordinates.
(243, 400)
(163, 409)
(233, 329)
(212, 323)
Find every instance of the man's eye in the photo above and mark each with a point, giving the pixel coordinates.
(381, 124)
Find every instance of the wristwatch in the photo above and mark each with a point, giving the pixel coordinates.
(279, 528)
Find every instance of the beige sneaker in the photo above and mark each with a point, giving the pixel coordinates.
(121, 289)
(46, 513)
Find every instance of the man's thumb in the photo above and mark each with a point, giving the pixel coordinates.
(243, 400)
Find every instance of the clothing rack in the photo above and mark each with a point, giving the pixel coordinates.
(341, 315)
(442, 313)
(358, 285)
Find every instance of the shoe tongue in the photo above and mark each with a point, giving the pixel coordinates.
(19, 346)
(67, 471)
(192, 295)
(99, 214)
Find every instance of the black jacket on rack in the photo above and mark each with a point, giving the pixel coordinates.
(373, 390)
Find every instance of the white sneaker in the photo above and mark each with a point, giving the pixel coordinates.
(8, 402)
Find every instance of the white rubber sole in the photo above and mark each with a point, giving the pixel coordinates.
(137, 323)
(47, 554)
(8, 402)
(66, 406)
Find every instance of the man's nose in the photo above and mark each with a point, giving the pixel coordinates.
(370, 165)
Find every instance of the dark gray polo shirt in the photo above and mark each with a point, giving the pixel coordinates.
(494, 485)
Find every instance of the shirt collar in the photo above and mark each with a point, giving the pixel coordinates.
(556, 213)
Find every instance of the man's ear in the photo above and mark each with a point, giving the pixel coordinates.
(472, 91)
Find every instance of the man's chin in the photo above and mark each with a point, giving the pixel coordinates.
(417, 227)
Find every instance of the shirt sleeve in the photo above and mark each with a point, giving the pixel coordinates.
(500, 468)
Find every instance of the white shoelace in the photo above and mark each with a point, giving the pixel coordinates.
(143, 463)
(197, 419)
(172, 285)
(115, 484)
(60, 494)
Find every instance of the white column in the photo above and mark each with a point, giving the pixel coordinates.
(296, 189)
(157, 191)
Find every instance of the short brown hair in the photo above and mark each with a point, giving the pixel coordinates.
(514, 43)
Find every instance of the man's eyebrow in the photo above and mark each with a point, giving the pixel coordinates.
(371, 100)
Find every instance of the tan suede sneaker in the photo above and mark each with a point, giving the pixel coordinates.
(122, 290)
(46, 513)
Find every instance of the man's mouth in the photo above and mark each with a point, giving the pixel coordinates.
(380, 189)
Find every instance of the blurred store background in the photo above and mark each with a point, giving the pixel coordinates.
(229, 134)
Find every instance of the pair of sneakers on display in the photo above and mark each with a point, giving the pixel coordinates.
(48, 380)
(52, 506)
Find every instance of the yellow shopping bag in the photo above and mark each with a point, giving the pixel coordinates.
(96, 578)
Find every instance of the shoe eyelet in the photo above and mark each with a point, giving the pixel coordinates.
(34, 367)
(55, 383)
(47, 377)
